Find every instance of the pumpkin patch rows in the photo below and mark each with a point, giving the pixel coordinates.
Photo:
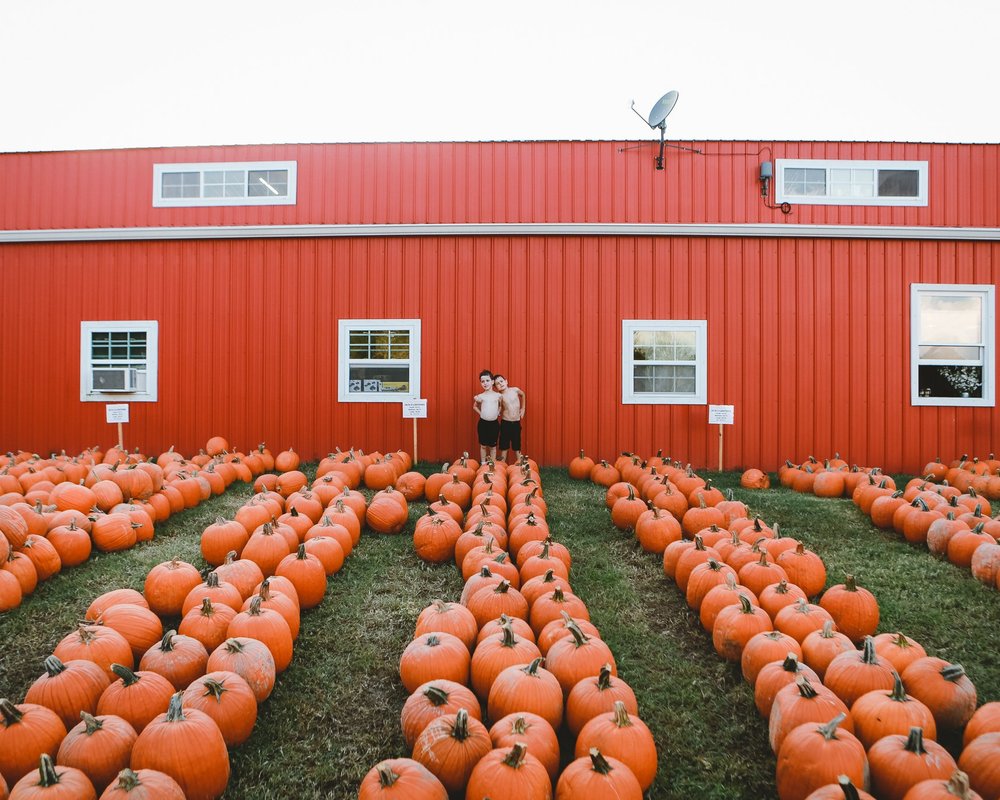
(175, 701)
(519, 646)
(758, 612)
(948, 510)
(55, 512)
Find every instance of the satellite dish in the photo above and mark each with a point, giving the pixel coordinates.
(659, 113)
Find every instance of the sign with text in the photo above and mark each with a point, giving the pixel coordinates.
(720, 415)
(116, 412)
(414, 409)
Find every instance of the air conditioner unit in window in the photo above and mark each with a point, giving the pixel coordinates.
(118, 379)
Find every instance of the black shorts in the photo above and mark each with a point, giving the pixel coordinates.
(489, 430)
(510, 434)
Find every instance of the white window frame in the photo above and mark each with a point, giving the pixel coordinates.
(151, 329)
(782, 164)
(159, 201)
(988, 294)
(700, 394)
(345, 326)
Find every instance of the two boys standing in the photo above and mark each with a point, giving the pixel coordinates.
(500, 408)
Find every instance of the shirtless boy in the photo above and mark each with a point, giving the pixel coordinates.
(487, 405)
(513, 407)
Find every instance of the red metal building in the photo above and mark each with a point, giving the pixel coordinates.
(296, 293)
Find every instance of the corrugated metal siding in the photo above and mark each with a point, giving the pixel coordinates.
(807, 338)
(489, 182)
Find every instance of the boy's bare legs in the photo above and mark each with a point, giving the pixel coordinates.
(485, 452)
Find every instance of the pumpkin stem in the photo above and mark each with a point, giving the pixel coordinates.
(868, 654)
(460, 730)
(47, 771)
(791, 663)
(53, 666)
(958, 785)
(849, 789)
(829, 730)
(621, 715)
(167, 642)
(502, 587)
(386, 777)
(849, 584)
(532, 668)
(745, 606)
(128, 677)
(604, 679)
(953, 672)
(578, 635)
(558, 596)
(207, 609)
(255, 609)
(915, 741)
(175, 711)
(806, 689)
(436, 696)
(93, 723)
(515, 758)
(127, 780)
(507, 634)
(11, 714)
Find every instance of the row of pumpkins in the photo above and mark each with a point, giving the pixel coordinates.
(827, 702)
(487, 651)
(943, 510)
(160, 709)
(55, 512)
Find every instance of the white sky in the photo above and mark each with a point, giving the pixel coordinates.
(97, 74)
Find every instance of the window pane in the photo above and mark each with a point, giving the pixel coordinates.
(642, 385)
(642, 353)
(951, 319)
(950, 381)
(644, 338)
(378, 380)
(213, 176)
(359, 351)
(685, 353)
(213, 190)
(664, 337)
(951, 353)
(663, 385)
(264, 183)
(898, 183)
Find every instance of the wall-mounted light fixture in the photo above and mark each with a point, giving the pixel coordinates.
(766, 173)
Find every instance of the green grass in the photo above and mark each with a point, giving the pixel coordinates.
(335, 712)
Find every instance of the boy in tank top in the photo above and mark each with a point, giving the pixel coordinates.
(487, 405)
(512, 404)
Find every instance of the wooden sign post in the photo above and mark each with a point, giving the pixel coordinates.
(721, 416)
(117, 412)
(414, 409)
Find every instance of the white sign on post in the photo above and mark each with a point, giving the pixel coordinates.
(720, 415)
(414, 409)
(116, 412)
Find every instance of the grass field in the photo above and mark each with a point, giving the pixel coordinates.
(335, 711)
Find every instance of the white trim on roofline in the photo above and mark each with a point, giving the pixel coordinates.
(741, 230)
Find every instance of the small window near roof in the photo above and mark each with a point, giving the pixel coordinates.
(118, 361)
(952, 345)
(225, 184)
(379, 360)
(664, 362)
(851, 183)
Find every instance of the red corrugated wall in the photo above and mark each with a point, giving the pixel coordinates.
(470, 182)
(807, 338)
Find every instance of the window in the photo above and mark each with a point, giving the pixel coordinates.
(118, 361)
(952, 345)
(664, 361)
(852, 183)
(224, 184)
(379, 360)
